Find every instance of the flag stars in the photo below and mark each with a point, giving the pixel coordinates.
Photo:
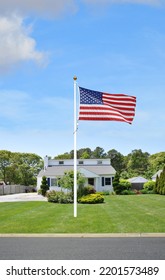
(90, 97)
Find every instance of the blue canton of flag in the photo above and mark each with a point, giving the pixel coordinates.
(90, 97)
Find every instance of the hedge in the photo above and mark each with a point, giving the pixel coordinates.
(91, 199)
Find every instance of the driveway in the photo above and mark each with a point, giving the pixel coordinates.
(22, 197)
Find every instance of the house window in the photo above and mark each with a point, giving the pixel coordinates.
(61, 162)
(81, 162)
(106, 181)
(54, 182)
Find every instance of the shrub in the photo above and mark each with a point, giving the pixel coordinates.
(59, 197)
(52, 196)
(122, 186)
(39, 191)
(67, 181)
(82, 191)
(44, 186)
(149, 186)
(128, 192)
(145, 191)
(91, 199)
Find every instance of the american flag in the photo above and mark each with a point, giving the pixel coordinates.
(100, 106)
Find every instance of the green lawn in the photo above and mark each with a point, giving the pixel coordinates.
(119, 214)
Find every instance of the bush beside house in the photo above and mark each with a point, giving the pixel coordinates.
(59, 197)
(91, 199)
(44, 186)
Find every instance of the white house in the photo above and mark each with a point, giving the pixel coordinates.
(98, 172)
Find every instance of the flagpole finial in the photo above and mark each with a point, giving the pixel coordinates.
(74, 78)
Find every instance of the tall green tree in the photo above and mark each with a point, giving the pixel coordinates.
(84, 153)
(138, 162)
(117, 160)
(156, 162)
(19, 168)
(98, 153)
(160, 183)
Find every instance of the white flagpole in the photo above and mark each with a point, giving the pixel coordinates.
(75, 146)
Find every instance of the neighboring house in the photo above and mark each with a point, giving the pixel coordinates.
(98, 172)
(137, 182)
(156, 174)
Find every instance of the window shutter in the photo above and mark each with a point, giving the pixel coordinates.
(48, 180)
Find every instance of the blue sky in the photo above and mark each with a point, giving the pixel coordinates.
(111, 46)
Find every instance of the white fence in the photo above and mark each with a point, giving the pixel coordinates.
(11, 189)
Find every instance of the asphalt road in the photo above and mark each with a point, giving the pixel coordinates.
(73, 248)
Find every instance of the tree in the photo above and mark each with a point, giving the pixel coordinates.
(156, 162)
(160, 183)
(156, 185)
(120, 185)
(44, 186)
(13, 174)
(84, 153)
(63, 156)
(67, 181)
(116, 181)
(117, 160)
(19, 168)
(98, 153)
(138, 162)
(5, 157)
(28, 166)
(26, 175)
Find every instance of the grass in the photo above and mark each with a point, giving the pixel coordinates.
(119, 214)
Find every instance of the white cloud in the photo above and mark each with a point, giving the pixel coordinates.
(16, 45)
(41, 7)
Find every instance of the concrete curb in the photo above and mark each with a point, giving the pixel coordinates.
(85, 235)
